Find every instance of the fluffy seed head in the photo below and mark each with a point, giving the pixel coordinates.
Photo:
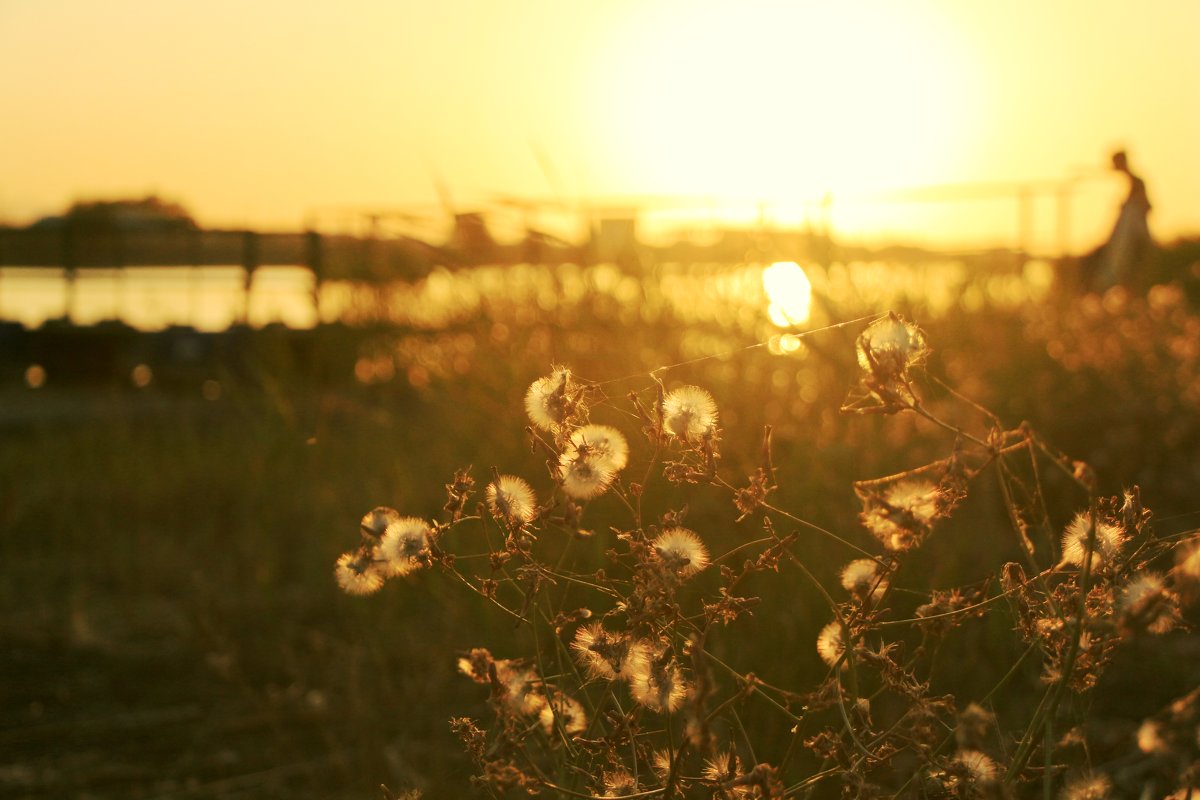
(1109, 541)
(681, 551)
(1087, 787)
(608, 655)
(890, 346)
(476, 664)
(658, 686)
(582, 477)
(357, 572)
(550, 400)
(901, 515)
(894, 536)
(404, 541)
(660, 762)
(518, 689)
(720, 768)
(1146, 604)
(861, 577)
(831, 643)
(566, 711)
(375, 522)
(618, 783)
(602, 444)
(723, 768)
(522, 687)
(978, 766)
(510, 498)
(918, 498)
(689, 412)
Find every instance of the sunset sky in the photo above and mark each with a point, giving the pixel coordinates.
(274, 113)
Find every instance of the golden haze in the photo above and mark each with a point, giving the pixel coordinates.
(272, 113)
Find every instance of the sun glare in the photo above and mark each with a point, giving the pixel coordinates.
(790, 292)
(788, 101)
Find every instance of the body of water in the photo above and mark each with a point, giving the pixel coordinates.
(214, 298)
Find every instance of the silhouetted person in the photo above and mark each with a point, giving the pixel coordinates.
(1129, 243)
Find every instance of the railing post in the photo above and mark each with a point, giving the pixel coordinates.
(249, 265)
(69, 260)
(313, 260)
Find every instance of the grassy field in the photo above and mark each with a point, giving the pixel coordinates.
(171, 627)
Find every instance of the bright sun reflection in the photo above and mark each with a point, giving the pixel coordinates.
(790, 293)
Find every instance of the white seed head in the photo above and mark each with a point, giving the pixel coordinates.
(861, 577)
(681, 551)
(566, 711)
(403, 543)
(548, 399)
(890, 346)
(831, 643)
(658, 687)
(660, 762)
(511, 498)
(893, 536)
(919, 498)
(375, 522)
(1087, 787)
(601, 444)
(1109, 541)
(522, 688)
(980, 767)
(583, 478)
(722, 768)
(619, 783)
(1147, 600)
(689, 412)
(357, 572)
(606, 654)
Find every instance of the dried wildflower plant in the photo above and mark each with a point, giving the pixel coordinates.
(888, 352)
(619, 690)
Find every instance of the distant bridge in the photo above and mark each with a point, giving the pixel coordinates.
(329, 257)
(360, 259)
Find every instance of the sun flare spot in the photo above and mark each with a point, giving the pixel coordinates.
(790, 293)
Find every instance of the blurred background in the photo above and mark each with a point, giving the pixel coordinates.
(264, 267)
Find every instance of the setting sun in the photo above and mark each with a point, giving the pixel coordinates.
(788, 101)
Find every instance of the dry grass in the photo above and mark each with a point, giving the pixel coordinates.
(172, 628)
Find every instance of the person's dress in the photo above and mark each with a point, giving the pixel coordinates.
(1129, 242)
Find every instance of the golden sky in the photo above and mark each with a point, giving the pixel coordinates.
(272, 112)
